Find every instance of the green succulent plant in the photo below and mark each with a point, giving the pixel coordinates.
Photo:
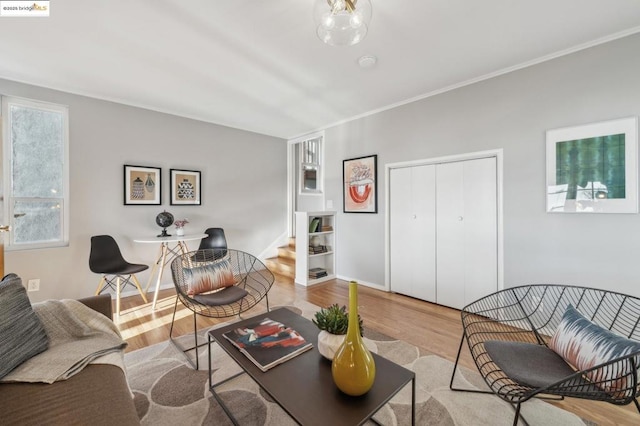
(334, 319)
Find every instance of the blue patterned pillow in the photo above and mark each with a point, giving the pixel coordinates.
(584, 345)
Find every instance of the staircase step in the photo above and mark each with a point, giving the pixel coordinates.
(287, 252)
(282, 266)
(292, 243)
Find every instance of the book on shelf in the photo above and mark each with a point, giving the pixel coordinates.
(314, 225)
(268, 343)
(315, 277)
(317, 272)
(318, 249)
(326, 228)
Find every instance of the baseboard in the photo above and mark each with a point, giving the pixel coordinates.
(362, 282)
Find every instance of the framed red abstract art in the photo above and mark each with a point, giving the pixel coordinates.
(360, 190)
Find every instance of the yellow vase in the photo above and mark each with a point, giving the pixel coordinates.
(353, 367)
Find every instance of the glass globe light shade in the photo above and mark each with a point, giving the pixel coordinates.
(328, 21)
(342, 22)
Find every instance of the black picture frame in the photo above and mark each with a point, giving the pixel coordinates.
(142, 185)
(360, 184)
(186, 187)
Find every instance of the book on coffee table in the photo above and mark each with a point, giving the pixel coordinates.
(268, 343)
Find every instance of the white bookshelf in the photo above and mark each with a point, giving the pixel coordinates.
(305, 259)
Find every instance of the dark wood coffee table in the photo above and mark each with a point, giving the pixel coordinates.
(303, 386)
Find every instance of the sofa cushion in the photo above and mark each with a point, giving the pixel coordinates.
(21, 333)
(97, 396)
(208, 277)
(584, 345)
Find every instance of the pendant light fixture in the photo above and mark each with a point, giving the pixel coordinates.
(342, 22)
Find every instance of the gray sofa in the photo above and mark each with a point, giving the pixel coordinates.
(98, 395)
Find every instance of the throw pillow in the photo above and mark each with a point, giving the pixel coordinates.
(209, 277)
(22, 335)
(584, 345)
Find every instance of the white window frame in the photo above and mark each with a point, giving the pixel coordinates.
(7, 172)
(319, 139)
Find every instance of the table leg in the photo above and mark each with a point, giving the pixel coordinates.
(163, 259)
(413, 401)
(118, 296)
(212, 386)
(153, 269)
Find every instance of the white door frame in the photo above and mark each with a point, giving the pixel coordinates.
(292, 176)
(495, 153)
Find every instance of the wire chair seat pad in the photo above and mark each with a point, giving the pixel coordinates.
(528, 364)
(225, 296)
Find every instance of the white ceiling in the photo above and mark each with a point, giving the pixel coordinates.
(258, 65)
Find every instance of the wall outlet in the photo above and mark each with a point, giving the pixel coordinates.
(33, 285)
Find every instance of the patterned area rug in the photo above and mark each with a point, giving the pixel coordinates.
(169, 392)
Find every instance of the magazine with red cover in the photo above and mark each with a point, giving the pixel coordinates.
(268, 343)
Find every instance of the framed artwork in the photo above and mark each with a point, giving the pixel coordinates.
(360, 186)
(593, 168)
(142, 185)
(185, 187)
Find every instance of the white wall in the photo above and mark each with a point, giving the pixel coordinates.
(512, 112)
(243, 186)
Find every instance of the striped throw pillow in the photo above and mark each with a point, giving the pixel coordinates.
(584, 345)
(209, 277)
(21, 332)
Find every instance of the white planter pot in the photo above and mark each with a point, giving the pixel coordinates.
(180, 231)
(329, 343)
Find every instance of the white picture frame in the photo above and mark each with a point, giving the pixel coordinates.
(593, 168)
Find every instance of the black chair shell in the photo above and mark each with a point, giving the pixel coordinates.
(105, 258)
(215, 239)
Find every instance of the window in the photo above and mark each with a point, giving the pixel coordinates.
(35, 173)
(310, 166)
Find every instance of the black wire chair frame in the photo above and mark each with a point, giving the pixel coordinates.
(250, 275)
(531, 314)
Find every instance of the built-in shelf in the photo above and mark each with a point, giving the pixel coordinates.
(305, 261)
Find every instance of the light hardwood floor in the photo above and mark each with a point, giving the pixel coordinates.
(434, 328)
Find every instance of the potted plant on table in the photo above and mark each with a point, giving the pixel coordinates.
(180, 226)
(333, 323)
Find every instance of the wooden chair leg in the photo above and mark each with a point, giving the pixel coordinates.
(99, 289)
(118, 296)
(137, 284)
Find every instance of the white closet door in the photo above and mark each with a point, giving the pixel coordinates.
(450, 234)
(412, 241)
(481, 229)
(401, 245)
(466, 231)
